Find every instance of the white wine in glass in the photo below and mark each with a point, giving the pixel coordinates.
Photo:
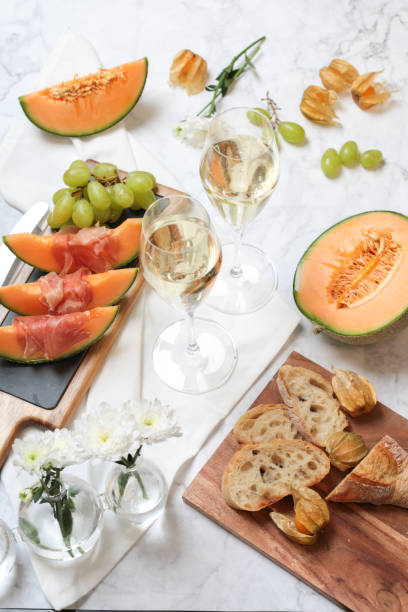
(239, 171)
(181, 257)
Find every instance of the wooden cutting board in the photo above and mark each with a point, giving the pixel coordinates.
(16, 412)
(361, 559)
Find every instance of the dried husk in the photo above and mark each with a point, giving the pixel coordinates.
(346, 449)
(188, 70)
(311, 510)
(354, 392)
(317, 104)
(338, 76)
(366, 93)
(286, 524)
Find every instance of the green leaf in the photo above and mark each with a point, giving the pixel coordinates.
(29, 530)
(66, 521)
(73, 491)
(37, 492)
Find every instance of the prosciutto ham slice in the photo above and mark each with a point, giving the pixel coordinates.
(50, 335)
(64, 293)
(92, 247)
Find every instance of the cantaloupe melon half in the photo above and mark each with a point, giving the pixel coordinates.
(88, 104)
(107, 288)
(352, 280)
(38, 250)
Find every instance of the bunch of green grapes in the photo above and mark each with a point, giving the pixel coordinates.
(100, 196)
(348, 155)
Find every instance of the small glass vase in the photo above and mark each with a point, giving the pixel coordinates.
(138, 493)
(41, 531)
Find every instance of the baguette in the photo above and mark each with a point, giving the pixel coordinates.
(259, 475)
(313, 407)
(265, 423)
(380, 478)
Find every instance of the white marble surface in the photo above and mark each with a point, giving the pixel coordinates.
(186, 562)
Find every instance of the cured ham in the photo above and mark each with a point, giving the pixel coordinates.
(50, 335)
(65, 293)
(94, 248)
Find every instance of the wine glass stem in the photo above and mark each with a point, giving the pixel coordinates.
(236, 270)
(192, 346)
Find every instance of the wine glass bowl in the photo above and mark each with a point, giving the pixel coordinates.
(180, 257)
(239, 171)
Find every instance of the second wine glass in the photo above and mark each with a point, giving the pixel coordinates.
(239, 170)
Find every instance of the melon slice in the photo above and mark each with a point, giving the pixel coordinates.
(88, 104)
(351, 281)
(107, 288)
(38, 251)
(100, 319)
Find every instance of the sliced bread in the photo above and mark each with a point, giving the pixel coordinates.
(265, 423)
(380, 478)
(259, 475)
(313, 407)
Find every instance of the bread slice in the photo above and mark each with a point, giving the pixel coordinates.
(313, 407)
(259, 475)
(265, 423)
(380, 478)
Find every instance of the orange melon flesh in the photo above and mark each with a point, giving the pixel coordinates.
(100, 105)
(100, 321)
(315, 271)
(38, 252)
(107, 288)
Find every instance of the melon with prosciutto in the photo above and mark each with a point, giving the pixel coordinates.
(64, 293)
(97, 248)
(44, 338)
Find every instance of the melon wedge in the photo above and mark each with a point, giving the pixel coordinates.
(38, 250)
(100, 321)
(351, 281)
(107, 288)
(89, 104)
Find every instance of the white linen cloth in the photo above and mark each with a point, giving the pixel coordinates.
(127, 372)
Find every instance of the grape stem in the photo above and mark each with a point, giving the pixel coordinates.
(228, 75)
(272, 110)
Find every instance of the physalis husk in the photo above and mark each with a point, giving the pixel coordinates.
(338, 76)
(189, 70)
(366, 93)
(317, 104)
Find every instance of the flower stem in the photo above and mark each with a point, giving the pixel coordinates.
(228, 75)
(141, 485)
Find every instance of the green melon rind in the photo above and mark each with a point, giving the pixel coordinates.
(24, 106)
(6, 305)
(121, 264)
(84, 346)
(366, 336)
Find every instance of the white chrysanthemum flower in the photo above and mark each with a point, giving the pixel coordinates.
(65, 448)
(32, 452)
(105, 433)
(192, 130)
(26, 495)
(154, 421)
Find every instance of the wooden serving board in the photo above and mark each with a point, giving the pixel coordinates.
(16, 412)
(361, 558)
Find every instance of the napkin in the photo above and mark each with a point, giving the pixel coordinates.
(128, 370)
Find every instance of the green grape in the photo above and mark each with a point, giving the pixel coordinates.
(254, 117)
(123, 195)
(98, 196)
(102, 216)
(63, 209)
(371, 159)
(51, 222)
(109, 189)
(143, 200)
(330, 163)
(116, 213)
(79, 163)
(77, 176)
(149, 174)
(83, 213)
(58, 194)
(349, 153)
(139, 182)
(291, 132)
(85, 192)
(105, 171)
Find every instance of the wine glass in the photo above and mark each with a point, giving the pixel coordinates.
(180, 257)
(239, 170)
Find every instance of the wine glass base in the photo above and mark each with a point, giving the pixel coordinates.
(248, 292)
(194, 372)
